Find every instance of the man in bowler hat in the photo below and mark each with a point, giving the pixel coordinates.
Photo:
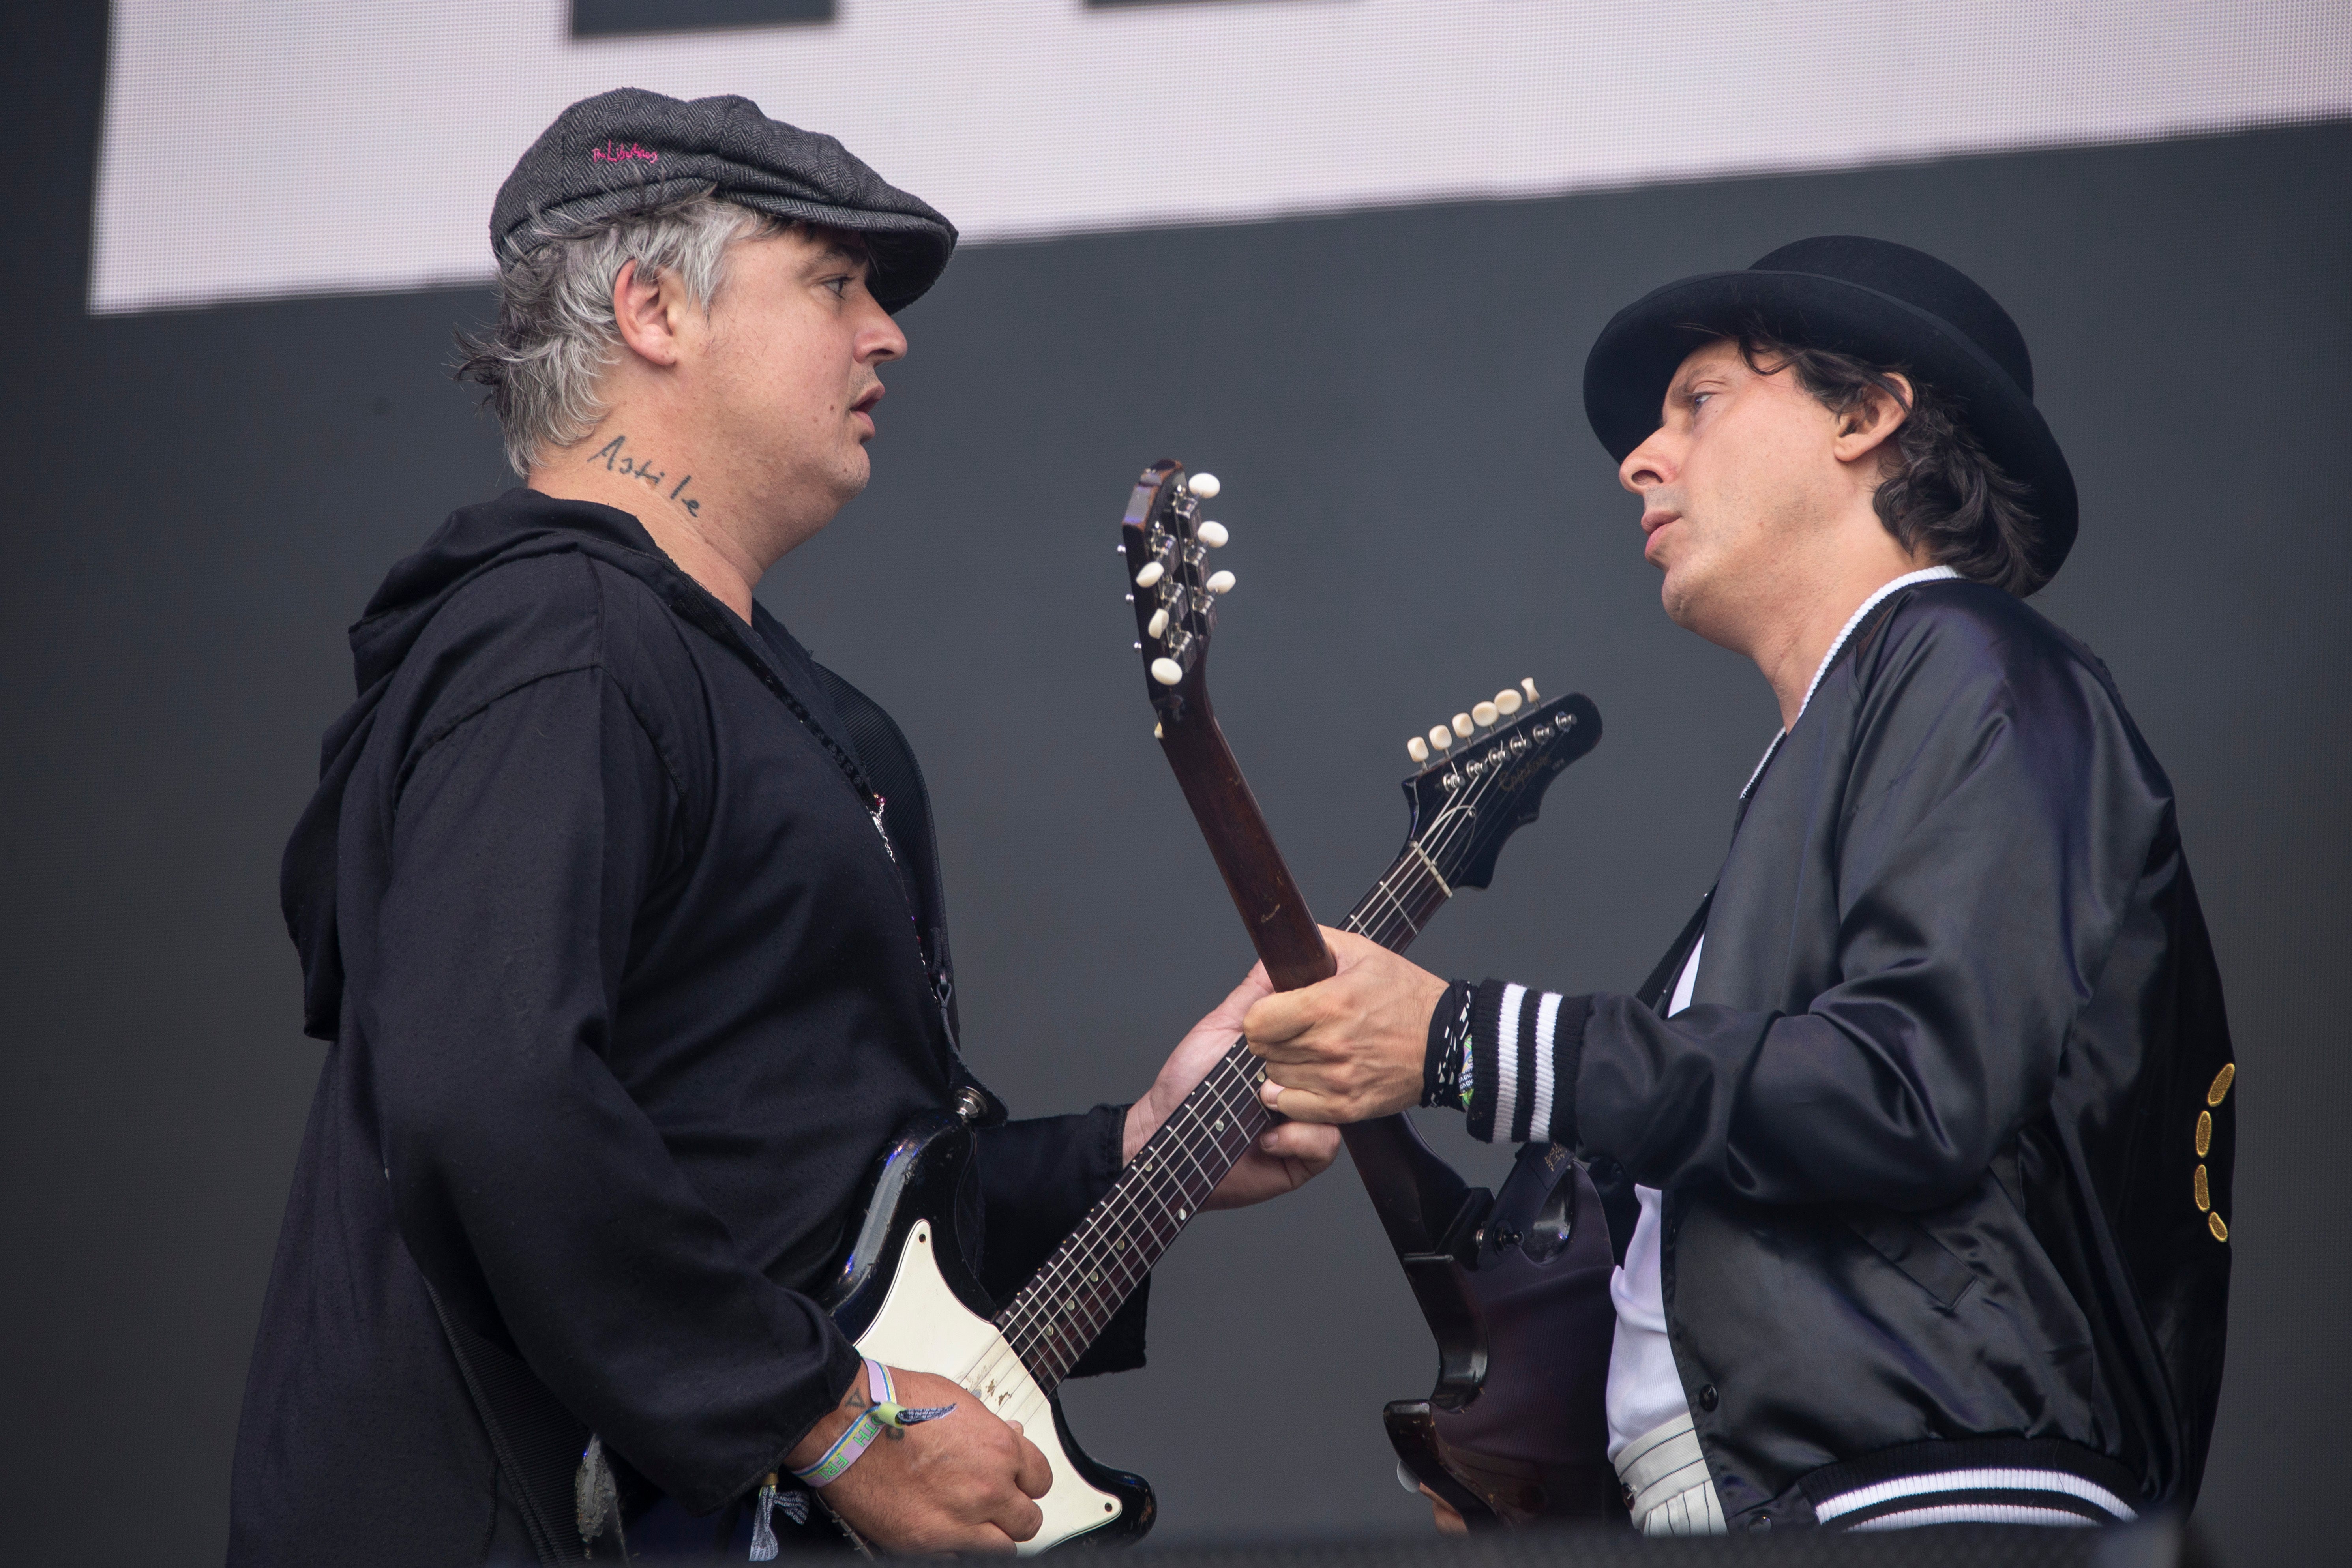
(1915, 1147)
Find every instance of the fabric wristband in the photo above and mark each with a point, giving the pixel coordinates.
(882, 1413)
(1445, 1070)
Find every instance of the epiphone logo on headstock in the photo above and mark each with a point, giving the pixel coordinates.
(1520, 770)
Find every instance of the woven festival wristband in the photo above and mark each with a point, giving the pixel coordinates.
(882, 1413)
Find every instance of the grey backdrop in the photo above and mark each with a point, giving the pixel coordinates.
(201, 503)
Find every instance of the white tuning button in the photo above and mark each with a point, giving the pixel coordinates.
(1214, 534)
(1483, 714)
(1206, 486)
(1167, 671)
(1440, 736)
(1506, 701)
(1417, 749)
(1529, 686)
(1462, 727)
(1220, 583)
(1153, 571)
(1158, 623)
(1157, 734)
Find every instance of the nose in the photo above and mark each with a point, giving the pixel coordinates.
(1647, 466)
(880, 337)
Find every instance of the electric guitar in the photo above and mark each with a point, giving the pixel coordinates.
(1515, 1285)
(904, 1293)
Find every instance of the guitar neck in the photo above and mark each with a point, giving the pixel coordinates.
(1068, 1303)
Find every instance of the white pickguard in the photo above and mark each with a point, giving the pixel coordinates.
(923, 1328)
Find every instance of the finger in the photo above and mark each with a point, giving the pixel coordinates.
(995, 1543)
(1315, 1146)
(1442, 1515)
(1254, 986)
(1277, 1017)
(1019, 1518)
(1035, 1474)
(1302, 1104)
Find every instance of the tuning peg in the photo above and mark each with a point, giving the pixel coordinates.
(1156, 733)
(1214, 534)
(1483, 714)
(1529, 686)
(1417, 749)
(1153, 571)
(1462, 727)
(1506, 701)
(1206, 486)
(1158, 623)
(1439, 737)
(1220, 583)
(1131, 599)
(1167, 671)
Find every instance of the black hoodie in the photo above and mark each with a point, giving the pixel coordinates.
(626, 985)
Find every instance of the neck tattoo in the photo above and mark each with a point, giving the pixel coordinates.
(639, 468)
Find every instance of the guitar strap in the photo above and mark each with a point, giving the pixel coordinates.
(881, 749)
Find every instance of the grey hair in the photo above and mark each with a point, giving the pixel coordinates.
(545, 358)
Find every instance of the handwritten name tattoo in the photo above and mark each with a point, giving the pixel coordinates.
(643, 468)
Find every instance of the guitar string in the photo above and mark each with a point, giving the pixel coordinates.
(1230, 1088)
(1067, 1332)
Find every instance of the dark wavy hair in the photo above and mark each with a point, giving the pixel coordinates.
(1938, 489)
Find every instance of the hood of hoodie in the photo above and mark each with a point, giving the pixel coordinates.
(519, 525)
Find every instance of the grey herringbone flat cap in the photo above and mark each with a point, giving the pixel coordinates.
(630, 148)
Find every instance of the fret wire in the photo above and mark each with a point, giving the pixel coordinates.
(1087, 1251)
(1134, 1223)
(1179, 1168)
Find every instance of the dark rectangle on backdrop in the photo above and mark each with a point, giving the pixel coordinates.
(611, 18)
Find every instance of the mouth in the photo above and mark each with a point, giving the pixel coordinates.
(1654, 526)
(863, 407)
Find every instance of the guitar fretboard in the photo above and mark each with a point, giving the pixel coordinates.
(1070, 1301)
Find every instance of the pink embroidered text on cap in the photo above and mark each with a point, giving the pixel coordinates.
(611, 153)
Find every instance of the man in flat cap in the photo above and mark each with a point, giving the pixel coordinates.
(623, 918)
(1915, 1147)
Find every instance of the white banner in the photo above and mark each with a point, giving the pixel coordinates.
(272, 147)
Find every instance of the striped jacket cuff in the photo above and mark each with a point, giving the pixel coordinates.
(1524, 1048)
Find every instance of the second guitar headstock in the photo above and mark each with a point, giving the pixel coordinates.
(1166, 542)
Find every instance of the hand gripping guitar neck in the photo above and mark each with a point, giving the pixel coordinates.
(1514, 1288)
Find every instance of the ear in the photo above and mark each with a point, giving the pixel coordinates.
(645, 307)
(1869, 424)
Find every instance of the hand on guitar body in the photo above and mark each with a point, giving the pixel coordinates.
(1286, 1156)
(1351, 1047)
(964, 1483)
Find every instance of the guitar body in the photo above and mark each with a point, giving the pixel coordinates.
(906, 1298)
(1531, 1445)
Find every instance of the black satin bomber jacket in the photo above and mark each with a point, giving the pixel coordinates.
(1937, 1191)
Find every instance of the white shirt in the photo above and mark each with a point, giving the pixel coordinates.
(1645, 1392)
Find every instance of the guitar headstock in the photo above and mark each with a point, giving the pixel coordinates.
(1480, 777)
(1166, 542)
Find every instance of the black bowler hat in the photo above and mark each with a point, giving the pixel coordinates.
(630, 148)
(1881, 301)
